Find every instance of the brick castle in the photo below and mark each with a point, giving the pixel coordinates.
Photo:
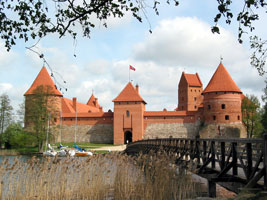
(212, 112)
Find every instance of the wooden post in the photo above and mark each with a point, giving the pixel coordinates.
(249, 160)
(234, 158)
(204, 151)
(222, 155)
(213, 154)
(265, 160)
(211, 189)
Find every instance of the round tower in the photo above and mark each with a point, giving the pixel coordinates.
(222, 105)
(43, 89)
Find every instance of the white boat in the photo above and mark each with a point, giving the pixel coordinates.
(50, 153)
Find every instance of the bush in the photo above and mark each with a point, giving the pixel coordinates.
(15, 137)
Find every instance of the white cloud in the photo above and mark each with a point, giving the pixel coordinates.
(187, 41)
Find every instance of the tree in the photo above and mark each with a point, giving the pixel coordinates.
(251, 116)
(21, 113)
(39, 112)
(20, 19)
(5, 112)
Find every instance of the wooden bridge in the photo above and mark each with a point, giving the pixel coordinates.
(234, 163)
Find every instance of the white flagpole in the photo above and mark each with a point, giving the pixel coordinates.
(129, 74)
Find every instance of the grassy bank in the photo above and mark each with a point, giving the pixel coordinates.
(108, 176)
(34, 150)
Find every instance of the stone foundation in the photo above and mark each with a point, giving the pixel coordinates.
(99, 133)
(175, 130)
(232, 130)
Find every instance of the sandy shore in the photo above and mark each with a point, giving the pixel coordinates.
(112, 148)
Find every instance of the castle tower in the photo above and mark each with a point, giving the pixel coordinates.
(44, 83)
(189, 92)
(222, 100)
(129, 107)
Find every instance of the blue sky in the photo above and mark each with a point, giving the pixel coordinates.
(181, 41)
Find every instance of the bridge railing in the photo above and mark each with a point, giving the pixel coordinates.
(237, 157)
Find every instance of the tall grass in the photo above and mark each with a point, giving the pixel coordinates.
(108, 176)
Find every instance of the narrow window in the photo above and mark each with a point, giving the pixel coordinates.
(128, 113)
(226, 117)
(238, 117)
(214, 117)
(195, 98)
(195, 107)
(223, 106)
(209, 107)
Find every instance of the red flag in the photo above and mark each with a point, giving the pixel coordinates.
(132, 68)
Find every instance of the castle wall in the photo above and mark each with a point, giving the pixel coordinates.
(97, 133)
(171, 126)
(175, 130)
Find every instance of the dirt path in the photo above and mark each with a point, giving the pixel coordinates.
(112, 148)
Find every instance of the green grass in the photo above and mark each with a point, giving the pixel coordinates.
(86, 145)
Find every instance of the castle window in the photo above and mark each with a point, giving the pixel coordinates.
(226, 117)
(195, 90)
(127, 113)
(223, 106)
(195, 107)
(191, 90)
(209, 107)
(55, 119)
(214, 117)
(195, 98)
(238, 117)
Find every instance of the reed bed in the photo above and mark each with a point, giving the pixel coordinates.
(109, 176)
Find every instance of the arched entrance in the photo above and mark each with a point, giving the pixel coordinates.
(128, 137)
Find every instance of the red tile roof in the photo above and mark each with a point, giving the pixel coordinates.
(43, 78)
(129, 93)
(221, 81)
(168, 113)
(97, 114)
(67, 107)
(193, 79)
(93, 102)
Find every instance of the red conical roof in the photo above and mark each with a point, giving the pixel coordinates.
(221, 81)
(129, 93)
(43, 78)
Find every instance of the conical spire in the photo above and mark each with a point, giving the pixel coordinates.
(221, 81)
(43, 78)
(129, 93)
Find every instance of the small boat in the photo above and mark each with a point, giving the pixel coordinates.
(50, 153)
(83, 153)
